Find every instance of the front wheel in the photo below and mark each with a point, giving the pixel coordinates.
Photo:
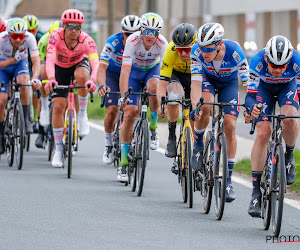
(9, 141)
(220, 175)
(188, 167)
(19, 134)
(70, 142)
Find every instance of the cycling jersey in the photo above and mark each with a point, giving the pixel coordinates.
(172, 61)
(59, 54)
(233, 63)
(112, 52)
(42, 46)
(138, 57)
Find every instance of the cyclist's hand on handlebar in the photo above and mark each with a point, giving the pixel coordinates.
(121, 102)
(247, 117)
(194, 116)
(165, 112)
(36, 83)
(90, 85)
(256, 110)
(49, 86)
(102, 90)
(20, 55)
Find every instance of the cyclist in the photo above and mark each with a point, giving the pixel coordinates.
(32, 24)
(175, 77)
(274, 71)
(2, 25)
(109, 74)
(142, 59)
(44, 113)
(216, 63)
(71, 52)
(14, 43)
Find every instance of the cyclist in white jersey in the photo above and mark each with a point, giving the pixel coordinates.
(142, 59)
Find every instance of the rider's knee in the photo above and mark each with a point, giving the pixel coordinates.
(290, 123)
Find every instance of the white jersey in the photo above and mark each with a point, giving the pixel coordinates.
(6, 49)
(136, 55)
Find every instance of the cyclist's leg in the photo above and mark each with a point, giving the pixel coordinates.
(289, 104)
(82, 74)
(111, 104)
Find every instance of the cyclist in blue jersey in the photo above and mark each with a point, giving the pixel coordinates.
(216, 64)
(274, 71)
(109, 74)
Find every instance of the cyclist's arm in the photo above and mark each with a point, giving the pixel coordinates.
(51, 56)
(101, 74)
(126, 67)
(196, 78)
(36, 67)
(7, 62)
(93, 57)
(105, 57)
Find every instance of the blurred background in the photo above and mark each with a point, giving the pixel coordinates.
(251, 23)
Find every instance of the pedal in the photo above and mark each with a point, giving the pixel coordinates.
(174, 169)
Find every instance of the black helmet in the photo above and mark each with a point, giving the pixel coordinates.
(184, 34)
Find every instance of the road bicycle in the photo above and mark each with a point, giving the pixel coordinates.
(181, 165)
(212, 179)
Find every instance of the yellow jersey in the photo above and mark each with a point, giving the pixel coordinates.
(172, 61)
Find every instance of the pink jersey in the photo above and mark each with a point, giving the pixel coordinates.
(58, 53)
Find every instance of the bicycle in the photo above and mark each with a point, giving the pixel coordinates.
(70, 136)
(212, 179)
(273, 183)
(181, 165)
(14, 126)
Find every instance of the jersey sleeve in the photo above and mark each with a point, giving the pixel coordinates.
(107, 51)
(51, 54)
(42, 46)
(196, 64)
(164, 44)
(92, 56)
(242, 64)
(167, 65)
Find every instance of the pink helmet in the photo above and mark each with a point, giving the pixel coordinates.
(72, 16)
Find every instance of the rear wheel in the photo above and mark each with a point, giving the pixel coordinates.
(207, 185)
(50, 137)
(70, 142)
(189, 170)
(277, 190)
(19, 134)
(220, 176)
(182, 174)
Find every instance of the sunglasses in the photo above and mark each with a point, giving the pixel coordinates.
(274, 66)
(185, 49)
(73, 26)
(207, 50)
(16, 36)
(33, 31)
(127, 33)
(154, 33)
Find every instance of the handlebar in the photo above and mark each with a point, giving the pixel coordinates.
(253, 121)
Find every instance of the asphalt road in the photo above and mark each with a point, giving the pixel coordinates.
(40, 208)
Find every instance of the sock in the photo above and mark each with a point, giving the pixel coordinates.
(58, 134)
(124, 153)
(289, 150)
(199, 138)
(256, 176)
(44, 102)
(154, 118)
(172, 129)
(230, 170)
(26, 112)
(35, 116)
(1, 129)
(109, 138)
(82, 103)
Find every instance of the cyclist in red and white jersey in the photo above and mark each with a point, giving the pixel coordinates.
(70, 53)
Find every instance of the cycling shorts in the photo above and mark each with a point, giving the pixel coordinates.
(184, 79)
(112, 81)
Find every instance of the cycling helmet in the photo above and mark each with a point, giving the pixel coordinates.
(152, 21)
(184, 34)
(16, 26)
(210, 33)
(279, 50)
(131, 23)
(2, 25)
(72, 16)
(55, 25)
(32, 21)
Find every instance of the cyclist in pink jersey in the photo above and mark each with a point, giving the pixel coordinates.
(70, 53)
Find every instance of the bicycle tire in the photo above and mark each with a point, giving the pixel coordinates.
(220, 180)
(277, 190)
(27, 147)
(183, 176)
(265, 187)
(208, 160)
(189, 170)
(19, 134)
(9, 138)
(70, 142)
(142, 146)
(50, 137)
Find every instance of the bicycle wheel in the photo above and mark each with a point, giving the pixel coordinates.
(19, 134)
(220, 175)
(70, 142)
(50, 137)
(27, 144)
(187, 165)
(265, 187)
(207, 182)
(182, 175)
(277, 190)
(142, 146)
(9, 137)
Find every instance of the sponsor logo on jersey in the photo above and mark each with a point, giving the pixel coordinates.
(265, 118)
(236, 56)
(173, 48)
(288, 102)
(259, 67)
(289, 94)
(115, 42)
(296, 67)
(232, 112)
(197, 52)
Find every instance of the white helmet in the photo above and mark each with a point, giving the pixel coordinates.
(210, 33)
(16, 26)
(131, 23)
(279, 50)
(152, 21)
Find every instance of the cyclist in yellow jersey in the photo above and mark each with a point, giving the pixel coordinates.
(175, 77)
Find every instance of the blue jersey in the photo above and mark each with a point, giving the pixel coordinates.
(112, 52)
(259, 71)
(233, 63)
